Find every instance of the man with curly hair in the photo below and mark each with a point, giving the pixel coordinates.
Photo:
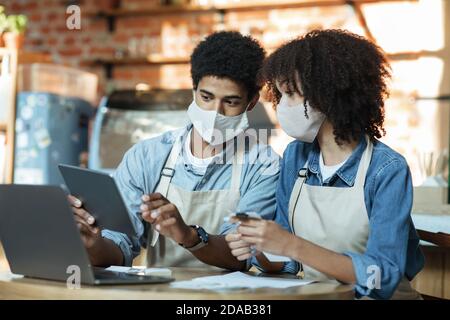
(344, 198)
(181, 185)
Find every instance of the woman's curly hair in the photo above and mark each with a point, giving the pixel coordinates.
(341, 74)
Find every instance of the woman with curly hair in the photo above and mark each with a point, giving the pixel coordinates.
(344, 198)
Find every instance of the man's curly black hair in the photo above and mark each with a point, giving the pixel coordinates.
(341, 74)
(229, 54)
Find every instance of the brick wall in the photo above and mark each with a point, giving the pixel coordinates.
(47, 32)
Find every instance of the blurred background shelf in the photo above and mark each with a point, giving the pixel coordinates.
(180, 9)
(33, 57)
(109, 63)
(112, 14)
(24, 57)
(149, 60)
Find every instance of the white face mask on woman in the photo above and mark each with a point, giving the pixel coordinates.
(294, 122)
(215, 128)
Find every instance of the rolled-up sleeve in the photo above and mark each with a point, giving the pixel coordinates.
(129, 245)
(381, 267)
(127, 177)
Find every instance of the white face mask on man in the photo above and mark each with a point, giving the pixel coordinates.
(293, 121)
(215, 128)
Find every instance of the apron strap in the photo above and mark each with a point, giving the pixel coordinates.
(302, 175)
(295, 195)
(167, 174)
(168, 170)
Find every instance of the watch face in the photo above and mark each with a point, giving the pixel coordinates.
(203, 234)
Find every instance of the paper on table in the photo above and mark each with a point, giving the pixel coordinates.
(238, 280)
(276, 258)
(142, 270)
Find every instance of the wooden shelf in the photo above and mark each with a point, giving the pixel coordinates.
(25, 57)
(188, 9)
(109, 63)
(34, 57)
(112, 14)
(157, 10)
(130, 61)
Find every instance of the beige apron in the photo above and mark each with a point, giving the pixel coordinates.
(204, 208)
(335, 218)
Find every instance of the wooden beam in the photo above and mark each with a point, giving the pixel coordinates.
(109, 63)
(144, 60)
(414, 55)
(356, 5)
(404, 56)
(196, 9)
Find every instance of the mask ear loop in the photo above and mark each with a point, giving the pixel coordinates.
(306, 105)
(249, 103)
(246, 108)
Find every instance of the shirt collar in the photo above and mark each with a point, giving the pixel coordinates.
(172, 136)
(348, 171)
(219, 159)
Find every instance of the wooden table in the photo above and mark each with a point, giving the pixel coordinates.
(434, 279)
(18, 287)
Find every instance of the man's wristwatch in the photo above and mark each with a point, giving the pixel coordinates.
(202, 234)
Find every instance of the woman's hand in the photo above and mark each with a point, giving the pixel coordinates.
(244, 250)
(240, 249)
(265, 235)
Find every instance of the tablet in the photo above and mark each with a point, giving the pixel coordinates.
(100, 196)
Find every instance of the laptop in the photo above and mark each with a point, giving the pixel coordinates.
(41, 239)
